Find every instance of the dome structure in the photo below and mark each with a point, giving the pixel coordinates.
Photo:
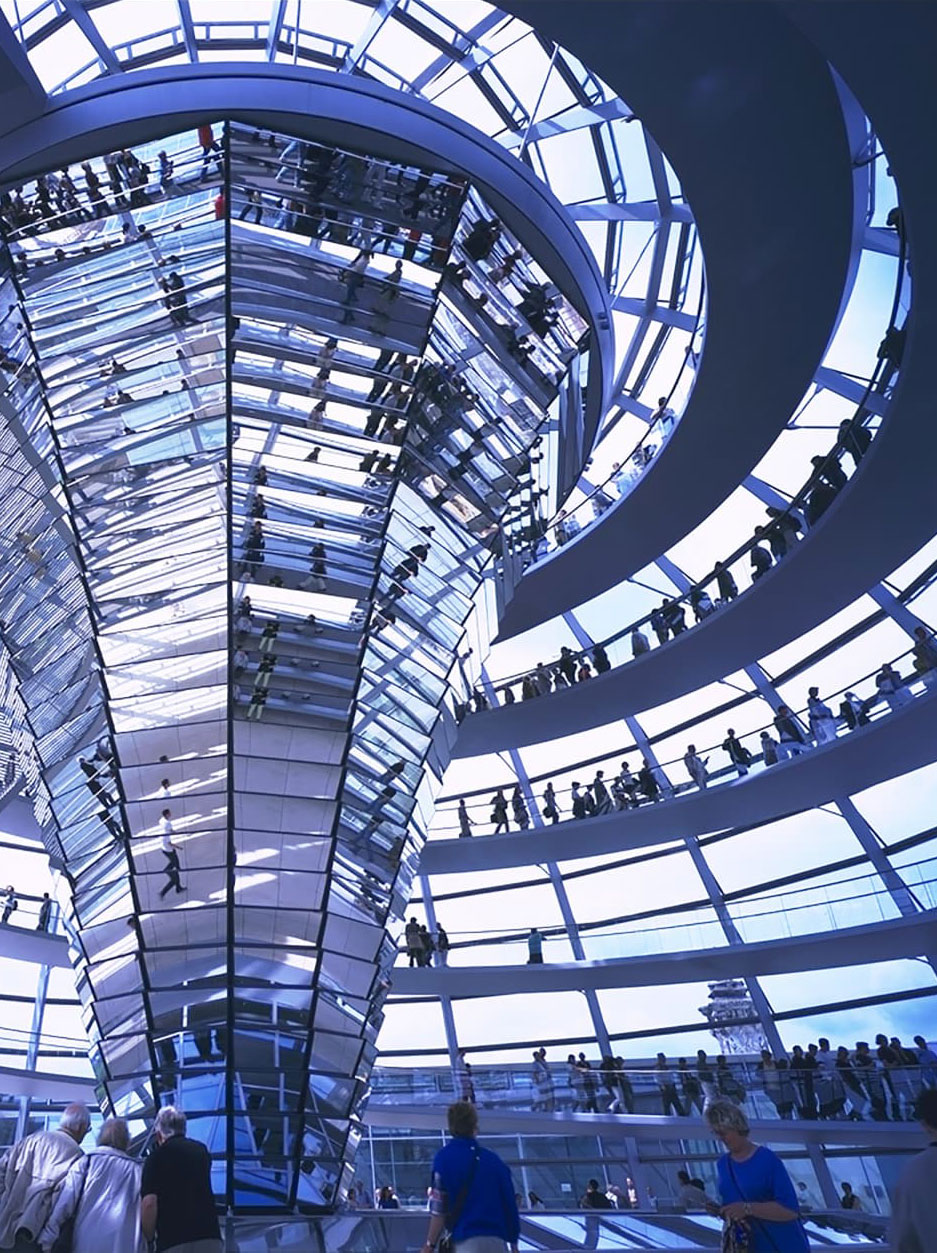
(405, 529)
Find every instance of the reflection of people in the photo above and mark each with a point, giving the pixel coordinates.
(211, 150)
(176, 300)
(172, 869)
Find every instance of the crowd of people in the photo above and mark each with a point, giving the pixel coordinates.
(769, 545)
(327, 193)
(880, 1083)
(472, 1194)
(55, 1197)
(422, 945)
(119, 181)
(794, 733)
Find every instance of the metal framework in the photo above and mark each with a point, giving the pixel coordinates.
(268, 427)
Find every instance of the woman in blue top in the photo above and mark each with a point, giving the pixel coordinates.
(755, 1188)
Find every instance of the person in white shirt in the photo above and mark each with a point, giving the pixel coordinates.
(101, 1193)
(696, 767)
(31, 1172)
(821, 717)
(664, 415)
(639, 643)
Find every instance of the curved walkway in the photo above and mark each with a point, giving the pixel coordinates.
(649, 1126)
(25, 945)
(42, 1087)
(897, 744)
(849, 946)
(772, 278)
(862, 538)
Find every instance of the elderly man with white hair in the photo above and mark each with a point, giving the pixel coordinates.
(31, 1175)
(178, 1207)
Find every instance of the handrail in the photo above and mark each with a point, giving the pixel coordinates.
(775, 527)
(865, 710)
(617, 479)
(494, 1086)
(597, 931)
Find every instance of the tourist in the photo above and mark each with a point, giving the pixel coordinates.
(756, 1190)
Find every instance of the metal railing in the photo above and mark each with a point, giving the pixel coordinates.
(864, 701)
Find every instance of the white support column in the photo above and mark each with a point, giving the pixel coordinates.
(717, 900)
(448, 1018)
(559, 888)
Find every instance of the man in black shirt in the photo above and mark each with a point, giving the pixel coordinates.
(593, 1198)
(178, 1207)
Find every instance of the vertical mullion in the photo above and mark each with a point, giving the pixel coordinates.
(229, 531)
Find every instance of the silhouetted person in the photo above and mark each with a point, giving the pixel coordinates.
(45, 913)
(499, 812)
(519, 808)
(854, 439)
(725, 582)
(791, 736)
(659, 624)
(828, 470)
(760, 556)
(819, 500)
(738, 753)
(647, 781)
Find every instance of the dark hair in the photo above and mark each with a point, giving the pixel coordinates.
(463, 1119)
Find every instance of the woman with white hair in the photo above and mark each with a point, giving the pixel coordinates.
(756, 1190)
(101, 1195)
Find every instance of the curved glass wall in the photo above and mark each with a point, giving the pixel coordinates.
(297, 376)
(858, 860)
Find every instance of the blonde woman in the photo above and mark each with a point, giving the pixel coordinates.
(754, 1186)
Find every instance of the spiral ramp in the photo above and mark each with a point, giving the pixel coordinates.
(705, 109)
(755, 108)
